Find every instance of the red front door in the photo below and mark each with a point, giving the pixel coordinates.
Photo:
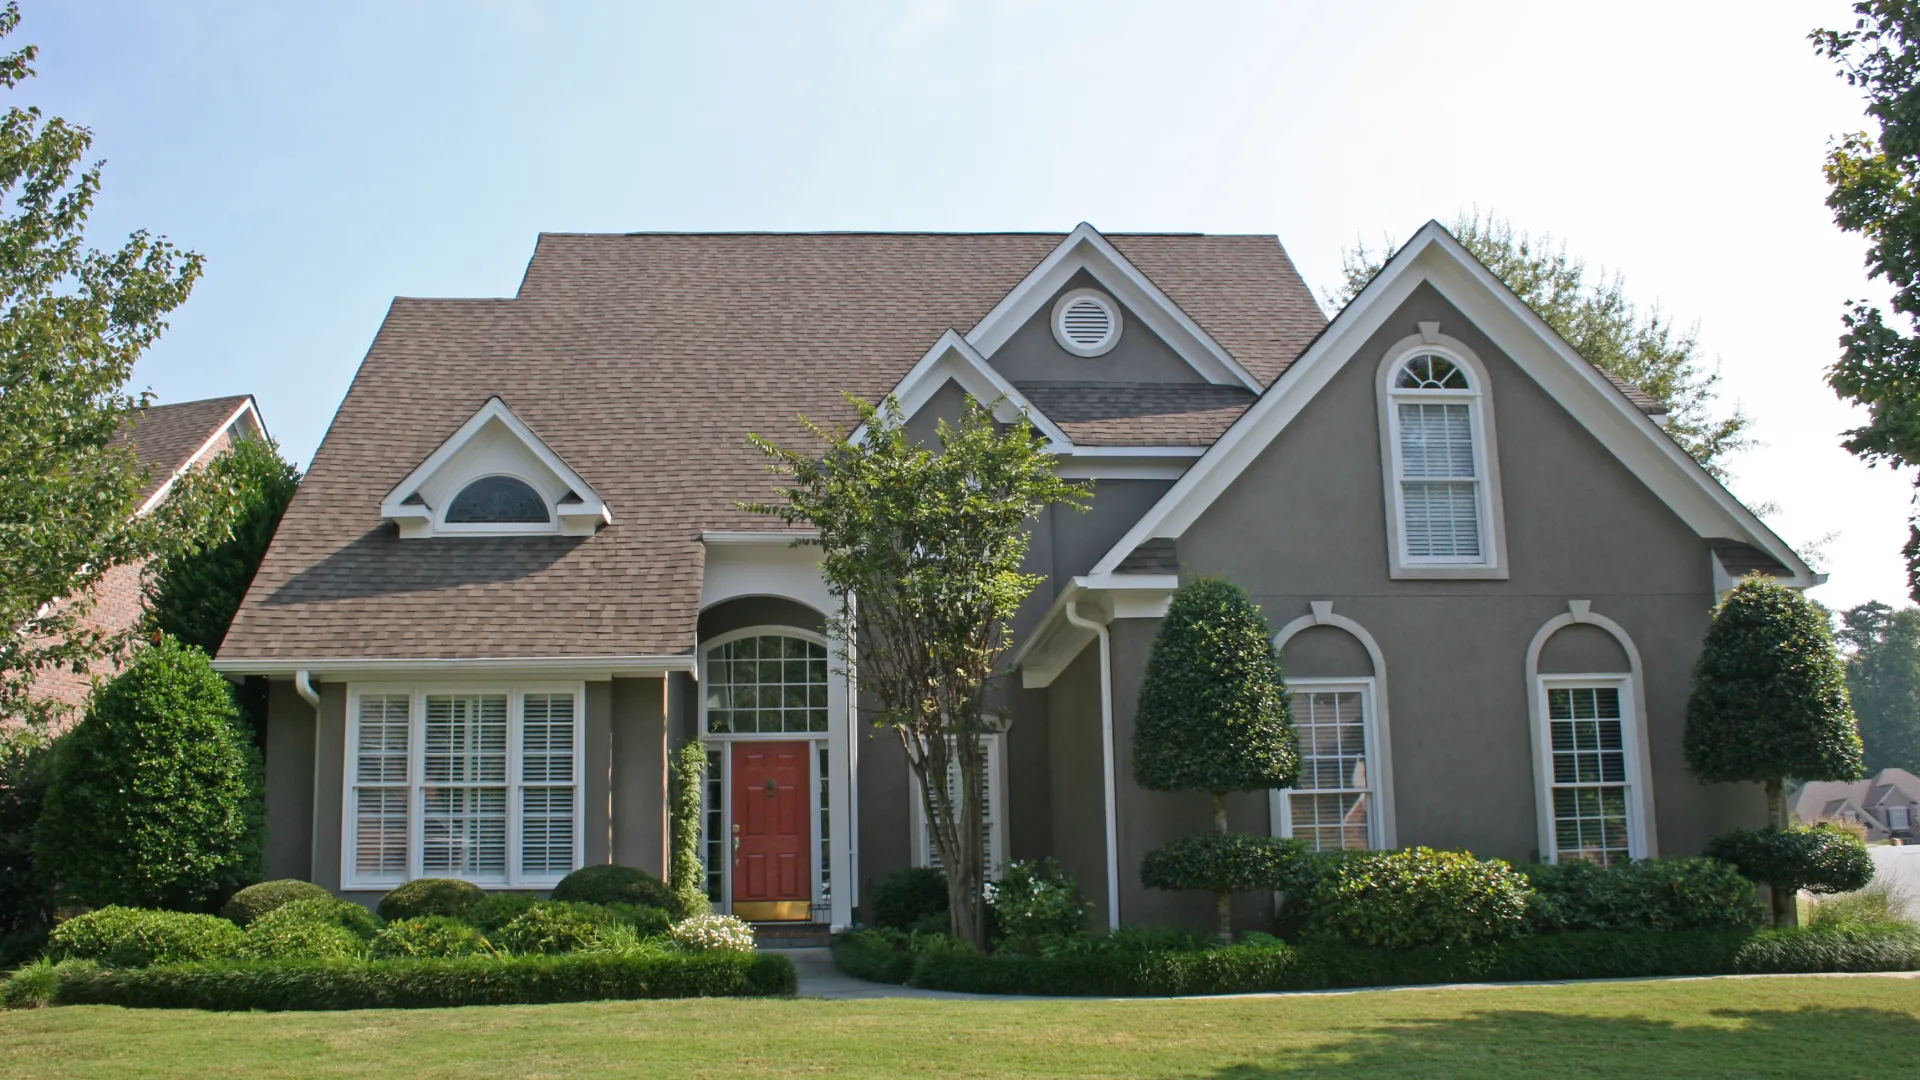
(772, 842)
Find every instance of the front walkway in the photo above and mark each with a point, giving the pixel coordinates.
(820, 979)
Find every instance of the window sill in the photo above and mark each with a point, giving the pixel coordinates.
(1446, 572)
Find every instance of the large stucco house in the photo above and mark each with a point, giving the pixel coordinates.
(515, 578)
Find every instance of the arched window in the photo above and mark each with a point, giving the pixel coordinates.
(1441, 474)
(498, 500)
(765, 684)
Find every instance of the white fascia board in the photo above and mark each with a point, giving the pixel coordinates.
(591, 506)
(1138, 451)
(160, 494)
(953, 358)
(1434, 256)
(1084, 248)
(604, 666)
(1056, 640)
(747, 537)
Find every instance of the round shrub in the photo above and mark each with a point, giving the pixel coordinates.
(1237, 862)
(643, 920)
(154, 799)
(724, 933)
(1036, 900)
(550, 928)
(256, 900)
(608, 884)
(348, 916)
(1646, 894)
(138, 937)
(431, 896)
(272, 938)
(1405, 899)
(913, 899)
(1817, 858)
(429, 935)
(499, 909)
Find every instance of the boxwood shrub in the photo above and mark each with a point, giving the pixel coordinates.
(431, 896)
(499, 909)
(426, 984)
(1416, 897)
(1646, 894)
(256, 900)
(300, 939)
(914, 899)
(552, 928)
(607, 884)
(429, 935)
(137, 937)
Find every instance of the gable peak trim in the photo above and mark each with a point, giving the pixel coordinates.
(577, 509)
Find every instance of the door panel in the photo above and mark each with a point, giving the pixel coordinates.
(772, 831)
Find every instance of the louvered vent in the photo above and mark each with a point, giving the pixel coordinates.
(1086, 322)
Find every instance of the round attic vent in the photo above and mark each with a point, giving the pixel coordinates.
(1086, 322)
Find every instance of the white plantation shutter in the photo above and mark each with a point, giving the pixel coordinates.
(990, 822)
(380, 794)
(547, 769)
(464, 802)
(1440, 492)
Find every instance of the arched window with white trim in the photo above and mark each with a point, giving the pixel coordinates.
(1442, 481)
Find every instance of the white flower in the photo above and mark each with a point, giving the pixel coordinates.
(703, 932)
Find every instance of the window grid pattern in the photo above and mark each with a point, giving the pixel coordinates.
(381, 795)
(1440, 492)
(1588, 739)
(1330, 806)
(716, 826)
(825, 903)
(464, 805)
(767, 684)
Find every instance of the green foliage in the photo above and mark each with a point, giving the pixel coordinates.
(431, 983)
(499, 909)
(1594, 315)
(155, 797)
(1817, 858)
(1237, 862)
(1769, 693)
(26, 898)
(618, 885)
(1213, 710)
(1874, 182)
(273, 938)
(551, 928)
(431, 896)
(1883, 682)
(1646, 894)
(1879, 904)
(686, 872)
(344, 914)
(194, 590)
(428, 936)
(911, 899)
(1836, 948)
(73, 320)
(1129, 940)
(874, 955)
(1406, 899)
(35, 984)
(931, 539)
(1035, 900)
(137, 937)
(256, 900)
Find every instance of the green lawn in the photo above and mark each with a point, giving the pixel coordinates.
(1827, 1027)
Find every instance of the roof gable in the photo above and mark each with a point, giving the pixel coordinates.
(1434, 257)
(953, 359)
(493, 442)
(170, 439)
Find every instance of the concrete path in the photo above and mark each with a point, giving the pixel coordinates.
(820, 979)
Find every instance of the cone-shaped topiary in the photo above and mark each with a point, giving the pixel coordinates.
(154, 799)
(1213, 710)
(1770, 701)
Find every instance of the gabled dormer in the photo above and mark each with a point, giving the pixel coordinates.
(494, 477)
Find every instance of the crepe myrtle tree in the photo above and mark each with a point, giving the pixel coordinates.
(923, 546)
(1770, 701)
(1213, 717)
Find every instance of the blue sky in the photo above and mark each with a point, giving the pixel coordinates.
(326, 158)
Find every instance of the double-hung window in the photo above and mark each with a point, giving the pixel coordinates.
(993, 816)
(1591, 762)
(482, 785)
(1441, 504)
(1332, 805)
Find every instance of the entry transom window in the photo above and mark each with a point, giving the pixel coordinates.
(478, 785)
(498, 500)
(1439, 488)
(1587, 736)
(1331, 805)
(767, 684)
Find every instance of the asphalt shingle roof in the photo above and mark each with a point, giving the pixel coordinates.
(165, 437)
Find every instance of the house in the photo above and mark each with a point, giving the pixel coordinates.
(515, 578)
(1886, 804)
(168, 440)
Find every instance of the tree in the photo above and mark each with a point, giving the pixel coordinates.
(26, 903)
(194, 590)
(1770, 701)
(1594, 315)
(1883, 682)
(923, 546)
(72, 322)
(1213, 717)
(1874, 190)
(154, 798)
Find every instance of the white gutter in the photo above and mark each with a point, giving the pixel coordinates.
(550, 665)
(303, 685)
(1106, 757)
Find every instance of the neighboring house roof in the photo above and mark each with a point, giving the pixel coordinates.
(644, 361)
(1828, 798)
(168, 438)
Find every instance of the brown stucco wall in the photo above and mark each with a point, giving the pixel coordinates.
(886, 818)
(596, 762)
(289, 783)
(638, 773)
(1032, 354)
(1077, 791)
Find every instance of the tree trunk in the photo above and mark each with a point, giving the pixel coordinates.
(1786, 901)
(1222, 902)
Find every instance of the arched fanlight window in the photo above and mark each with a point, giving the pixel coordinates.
(1430, 372)
(498, 500)
(1437, 463)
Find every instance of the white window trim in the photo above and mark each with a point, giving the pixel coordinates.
(1057, 319)
(1642, 822)
(1278, 803)
(1321, 613)
(717, 640)
(416, 723)
(1493, 530)
(996, 806)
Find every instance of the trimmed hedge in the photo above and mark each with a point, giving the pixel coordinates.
(1236, 862)
(137, 937)
(256, 900)
(1266, 968)
(429, 984)
(1416, 897)
(608, 884)
(913, 899)
(431, 896)
(429, 935)
(872, 955)
(1818, 858)
(1646, 894)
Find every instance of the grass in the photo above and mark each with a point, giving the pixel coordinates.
(1839, 1026)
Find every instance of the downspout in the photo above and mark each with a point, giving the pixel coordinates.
(303, 685)
(1106, 757)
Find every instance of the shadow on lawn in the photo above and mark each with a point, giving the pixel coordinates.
(1736, 1042)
